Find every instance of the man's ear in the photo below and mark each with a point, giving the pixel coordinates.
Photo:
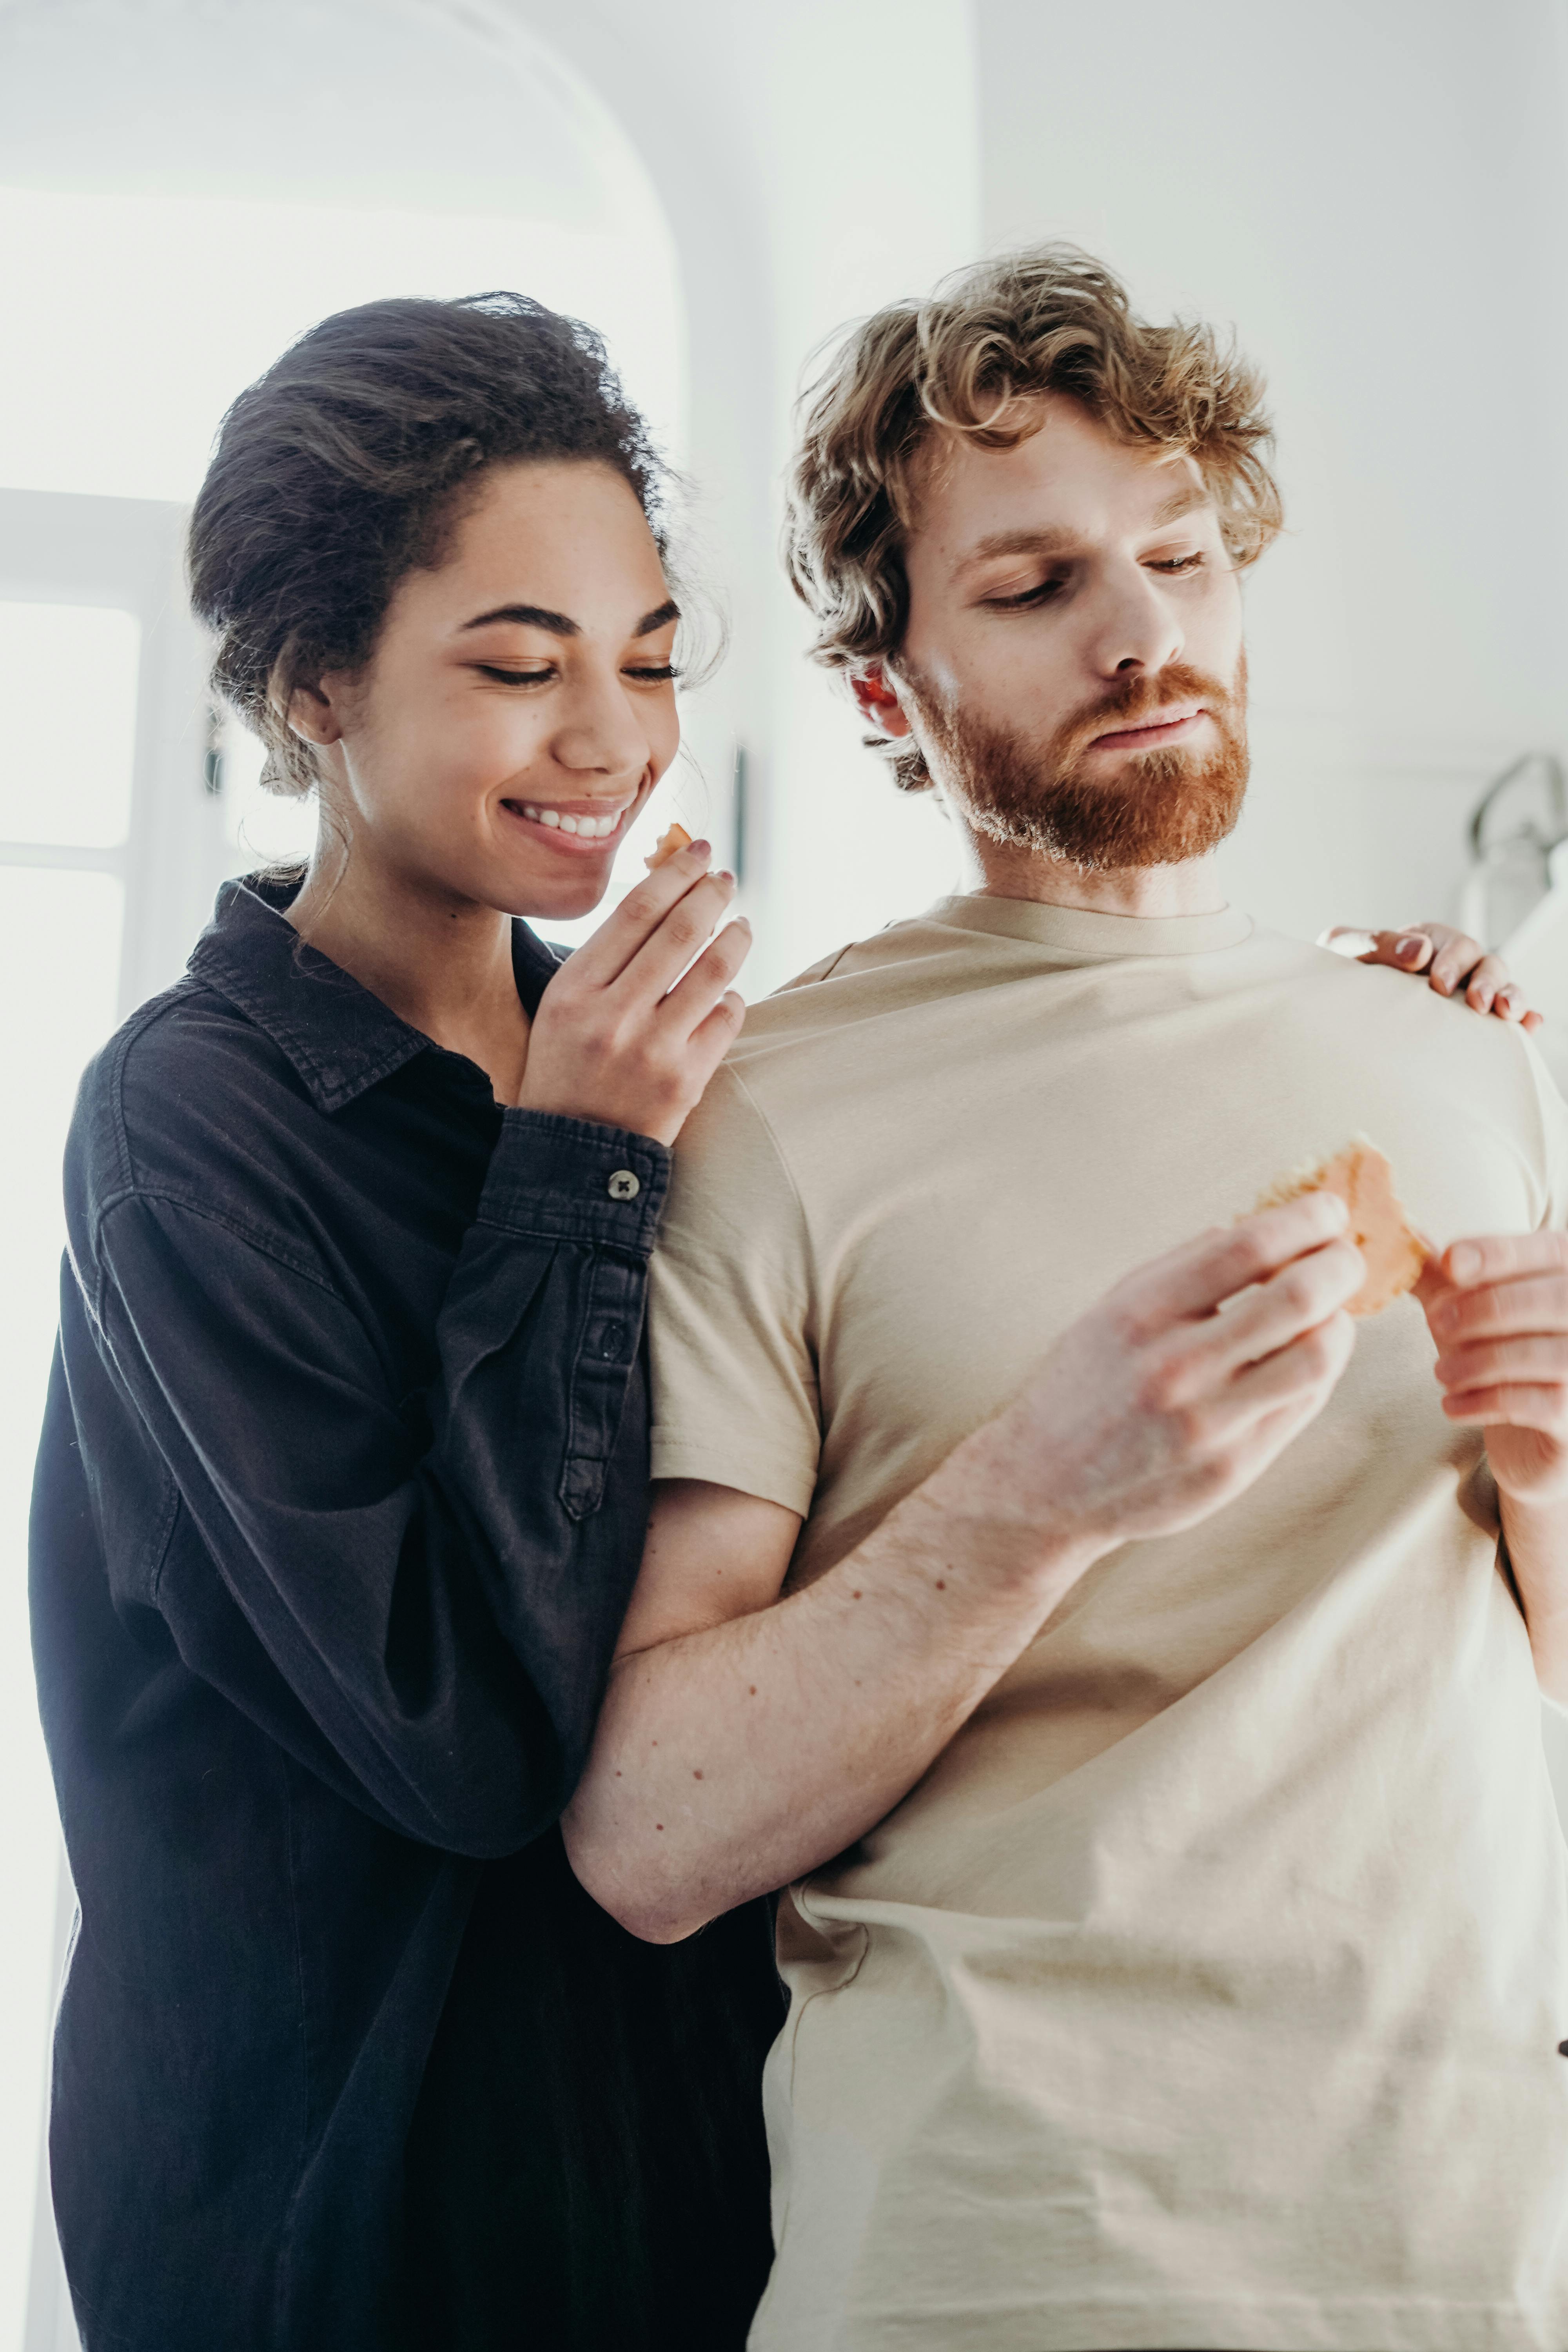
(313, 716)
(878, 700)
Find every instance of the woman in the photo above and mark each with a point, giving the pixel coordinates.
(341, 1488)
(341, 1493)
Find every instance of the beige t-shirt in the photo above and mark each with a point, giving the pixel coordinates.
(1207, 1989)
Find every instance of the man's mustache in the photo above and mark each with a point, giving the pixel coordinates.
(1137, 697)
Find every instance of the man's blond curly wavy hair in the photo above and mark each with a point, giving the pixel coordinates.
(973, 358)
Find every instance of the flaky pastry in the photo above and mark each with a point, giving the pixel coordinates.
(1380, 1225)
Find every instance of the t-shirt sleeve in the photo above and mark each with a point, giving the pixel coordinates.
(1553, 1116)
(732, 1311)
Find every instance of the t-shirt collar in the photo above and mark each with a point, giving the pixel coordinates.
(1078, 935)
(339, 1038)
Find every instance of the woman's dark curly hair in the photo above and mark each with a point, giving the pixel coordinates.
(350, 462)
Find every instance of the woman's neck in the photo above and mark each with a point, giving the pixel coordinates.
(441, 963)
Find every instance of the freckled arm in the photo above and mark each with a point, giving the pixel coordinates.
(745, 1740)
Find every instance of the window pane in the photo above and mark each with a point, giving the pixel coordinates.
(59, 966)
(263, 828)
(68, 687)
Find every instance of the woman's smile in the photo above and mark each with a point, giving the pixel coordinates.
(579, 828)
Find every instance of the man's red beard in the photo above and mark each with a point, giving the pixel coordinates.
(1158, 807)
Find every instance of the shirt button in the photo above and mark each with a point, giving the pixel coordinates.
(624, 1185)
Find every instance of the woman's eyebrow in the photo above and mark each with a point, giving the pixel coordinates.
(561, 624)
(528, 616)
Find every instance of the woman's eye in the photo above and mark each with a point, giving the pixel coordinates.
(657, 674)
(1178, 563)
(514, 677)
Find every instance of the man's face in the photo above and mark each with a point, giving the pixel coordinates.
(1073, 667)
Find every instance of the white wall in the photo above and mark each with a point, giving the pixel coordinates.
(1373, 191)
(815, 160)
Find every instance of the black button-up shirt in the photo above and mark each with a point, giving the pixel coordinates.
(339, 1505)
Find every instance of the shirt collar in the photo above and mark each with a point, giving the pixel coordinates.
(339, 1038)
(1082, 935)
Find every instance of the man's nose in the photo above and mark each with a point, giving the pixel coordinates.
(1134, 626)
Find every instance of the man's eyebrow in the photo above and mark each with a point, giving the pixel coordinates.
(561, 624)
(1184, 501)
(1049, 541)
(1018, 542)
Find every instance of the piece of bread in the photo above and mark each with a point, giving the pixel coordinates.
(1380, 1227)
(670, 843)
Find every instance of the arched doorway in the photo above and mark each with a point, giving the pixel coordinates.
(184, 185)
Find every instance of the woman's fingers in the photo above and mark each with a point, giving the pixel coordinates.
(1450, 959)
(715, 1035)
(677, 941)
(689, 1003)
(601, 960)
(1407, 951)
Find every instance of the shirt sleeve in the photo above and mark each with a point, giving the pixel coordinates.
(370, 1547)
(732, 1317)
(1553, 1116)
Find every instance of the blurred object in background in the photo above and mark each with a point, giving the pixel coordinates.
(1516, 835)
(1515, 897)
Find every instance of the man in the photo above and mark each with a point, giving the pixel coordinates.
(1110, 1641)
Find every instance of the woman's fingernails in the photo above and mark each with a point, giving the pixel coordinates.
(1464, 1263)
(723, 874)
(700, 849)
(1406, 947)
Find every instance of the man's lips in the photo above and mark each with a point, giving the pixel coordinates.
(1166, 726)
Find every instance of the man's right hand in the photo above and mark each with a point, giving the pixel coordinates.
(742, 1743)
(633, 1026)
(1174, 1392)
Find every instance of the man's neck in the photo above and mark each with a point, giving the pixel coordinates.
(1004, 870)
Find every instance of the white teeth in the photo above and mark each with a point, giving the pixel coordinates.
(596, 828)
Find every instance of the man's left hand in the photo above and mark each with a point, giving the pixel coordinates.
(1498, 1309)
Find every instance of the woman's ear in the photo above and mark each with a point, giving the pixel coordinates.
(878, 700)
(310, 715)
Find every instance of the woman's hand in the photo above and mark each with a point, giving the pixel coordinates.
(633, 1026)
(1451, 959)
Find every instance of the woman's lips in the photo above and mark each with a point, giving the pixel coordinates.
(1152, 732)
(563, 824)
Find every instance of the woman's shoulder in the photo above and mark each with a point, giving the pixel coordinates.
(187, 1102)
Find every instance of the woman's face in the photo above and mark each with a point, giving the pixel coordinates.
(519, 705)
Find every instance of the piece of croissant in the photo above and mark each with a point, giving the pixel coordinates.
(1379, 1224)
(670, 843)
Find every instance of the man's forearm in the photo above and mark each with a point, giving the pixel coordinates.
(1536, 1534)
(730, 1761)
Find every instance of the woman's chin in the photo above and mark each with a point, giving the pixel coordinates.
(559, 898)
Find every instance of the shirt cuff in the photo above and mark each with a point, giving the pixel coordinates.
(572, 1180)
